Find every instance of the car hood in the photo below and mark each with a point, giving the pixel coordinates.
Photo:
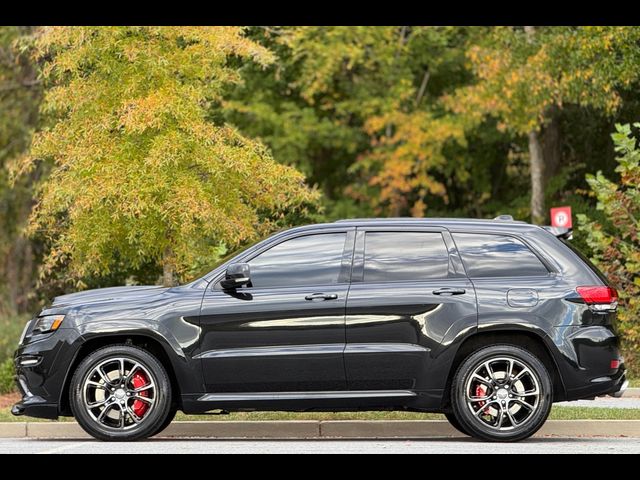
(102, 296)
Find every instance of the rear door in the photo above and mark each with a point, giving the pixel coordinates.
(513, 284)
(408, 292)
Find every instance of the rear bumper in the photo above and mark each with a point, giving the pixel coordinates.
(586, 362)
(614, 385)
(623, 389)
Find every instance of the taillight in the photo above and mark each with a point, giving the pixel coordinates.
(598, 295)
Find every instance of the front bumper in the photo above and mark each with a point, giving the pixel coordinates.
(42, 367)
(35, 407)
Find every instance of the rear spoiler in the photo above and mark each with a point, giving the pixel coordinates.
(561, 233)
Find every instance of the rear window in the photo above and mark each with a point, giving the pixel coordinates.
(405, 256)
(587, 262)
(496, 256)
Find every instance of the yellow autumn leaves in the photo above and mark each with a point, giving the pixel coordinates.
(139, 169)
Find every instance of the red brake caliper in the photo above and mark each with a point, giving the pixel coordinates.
(481, 392)
(139, 407)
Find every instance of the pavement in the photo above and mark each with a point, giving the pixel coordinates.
(433, 446)
(326, 430)
(605, 402)
(579, 436)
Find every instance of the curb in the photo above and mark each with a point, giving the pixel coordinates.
(307, 430)
(632, 393)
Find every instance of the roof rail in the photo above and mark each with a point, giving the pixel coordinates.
(371, 220)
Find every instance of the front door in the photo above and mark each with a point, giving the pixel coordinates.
(286, 331)
(409, 295)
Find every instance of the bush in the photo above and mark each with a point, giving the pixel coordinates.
(616, 241)
(7, 373)
(10, 331)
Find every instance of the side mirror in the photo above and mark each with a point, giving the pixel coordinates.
(238, 275)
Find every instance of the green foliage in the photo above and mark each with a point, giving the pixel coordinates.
(616, 242)
(139, 164)
(520, 74)
(427, 120)
(140, 173)
(10, 331)
(356, 108)
(7, 374)
(20, 95)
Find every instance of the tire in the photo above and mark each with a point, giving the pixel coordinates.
(172, 415)
(508, 403)
(456, 424)
(108, 403)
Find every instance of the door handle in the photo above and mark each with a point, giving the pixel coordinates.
(450, 291)
(320, 296)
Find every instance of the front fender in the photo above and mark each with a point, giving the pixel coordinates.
(177, 340)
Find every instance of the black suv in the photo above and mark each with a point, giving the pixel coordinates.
(488, 322)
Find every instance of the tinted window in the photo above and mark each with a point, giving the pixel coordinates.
(302, 261)
(402, 256)
(497, 256)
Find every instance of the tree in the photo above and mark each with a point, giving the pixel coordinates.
(616, 241)
(20, 95)
(526, 75)
(141, 172)
(356, 108)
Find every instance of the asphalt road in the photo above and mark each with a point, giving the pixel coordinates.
(545, 445)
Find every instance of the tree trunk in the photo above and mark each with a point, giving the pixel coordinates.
(536, 160)
(537, 178)
(552, 144)
(168, 268)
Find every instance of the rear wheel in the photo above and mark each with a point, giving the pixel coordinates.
(502, 394)
(455, 423)
(121, 393)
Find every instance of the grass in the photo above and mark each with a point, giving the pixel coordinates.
(558, 413)
(634, 383)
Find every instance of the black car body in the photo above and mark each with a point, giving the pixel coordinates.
(376, 314)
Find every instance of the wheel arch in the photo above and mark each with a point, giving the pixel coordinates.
(530, 340)
(154, 346)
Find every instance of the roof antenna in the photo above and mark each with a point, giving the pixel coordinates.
(504, 218)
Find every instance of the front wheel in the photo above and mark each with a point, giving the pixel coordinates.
(502, 394)
(121, 393)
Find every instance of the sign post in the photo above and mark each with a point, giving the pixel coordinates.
(561, 217)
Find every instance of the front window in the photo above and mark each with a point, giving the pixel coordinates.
(300, 262)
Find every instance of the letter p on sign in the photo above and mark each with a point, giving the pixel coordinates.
(561, 217)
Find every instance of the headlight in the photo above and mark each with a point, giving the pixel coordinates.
(48, 324)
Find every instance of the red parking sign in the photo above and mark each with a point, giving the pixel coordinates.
(561, 217)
